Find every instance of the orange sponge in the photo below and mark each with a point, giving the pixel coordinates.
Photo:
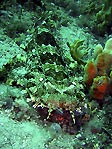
(104, 63)
(104, 59)
(90, 73)
(99, 87)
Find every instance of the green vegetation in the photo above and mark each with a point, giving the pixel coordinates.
(43, 52)
(96, 15)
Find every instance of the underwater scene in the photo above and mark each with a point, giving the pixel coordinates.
(55, 74)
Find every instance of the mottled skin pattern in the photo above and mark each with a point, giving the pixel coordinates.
(69, 121)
